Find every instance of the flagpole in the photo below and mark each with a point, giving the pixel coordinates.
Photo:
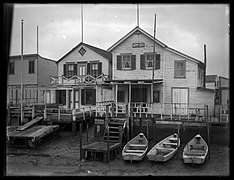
(81, 23)
(37, 41)
(137, 14)
(21, 83)
(154, 47)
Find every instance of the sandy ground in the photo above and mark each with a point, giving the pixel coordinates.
(62, 158)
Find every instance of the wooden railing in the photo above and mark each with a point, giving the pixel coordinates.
(85, 80)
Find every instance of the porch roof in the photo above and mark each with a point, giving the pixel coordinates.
(135, 81)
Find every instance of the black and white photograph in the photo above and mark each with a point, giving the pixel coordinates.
(98, 89)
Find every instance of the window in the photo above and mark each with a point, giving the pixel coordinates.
(88, 96)
(82, 70)
(180, 69)
(94, 69)
(149, 61)
(12, 68)
(139, 94)
(120, 96)
(126, 63)
(31, 67)
(156, 96)
(61, 97)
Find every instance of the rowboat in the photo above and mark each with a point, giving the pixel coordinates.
(136, 148)
(165, 149)
(195, 151)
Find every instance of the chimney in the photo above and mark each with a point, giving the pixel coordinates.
(204, 80)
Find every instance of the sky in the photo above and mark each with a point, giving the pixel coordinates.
(184, 27)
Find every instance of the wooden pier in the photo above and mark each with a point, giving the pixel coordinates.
(33, 137)
(99, 151)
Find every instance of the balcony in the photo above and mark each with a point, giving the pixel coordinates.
(79, 80)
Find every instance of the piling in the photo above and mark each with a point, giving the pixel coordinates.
(108, 145)
(87, 132)
(73, 122)
(131, 118)
(81, 155)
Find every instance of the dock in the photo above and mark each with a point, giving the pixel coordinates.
(99, 151)
(33, 137)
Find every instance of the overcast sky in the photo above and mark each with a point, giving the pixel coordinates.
(184, 27)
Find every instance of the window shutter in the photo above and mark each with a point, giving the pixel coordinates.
(142, 61)
(99, 68)
(88, 68)
(119, 62)
(94, 97)
(57, 96)
(133, 62)
(157, 64)
(65, 70)
(82, 96)
(75, 69)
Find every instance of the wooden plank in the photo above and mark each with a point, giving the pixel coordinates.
(29, 124)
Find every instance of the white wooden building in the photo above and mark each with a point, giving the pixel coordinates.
(36, 77)
(82, 73)
(178, 78)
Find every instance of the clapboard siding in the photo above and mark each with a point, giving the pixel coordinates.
(90, 55)
(15, 79)
(126, 47)
(46, 68)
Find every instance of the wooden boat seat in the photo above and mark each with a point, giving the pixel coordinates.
(169, 143)
(137, 146)
(195, 153)
(197, 147)
(173, 140)
(134, 151)
(165, 149)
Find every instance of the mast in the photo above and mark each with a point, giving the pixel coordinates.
(138, 15)
(154, 48)
(37, 41)
(81, 23)
(21, 79)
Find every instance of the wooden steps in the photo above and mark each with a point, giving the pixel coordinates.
(114, 125)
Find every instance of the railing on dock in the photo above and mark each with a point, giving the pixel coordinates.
(83, 80)
(169, 111)
(224, 113)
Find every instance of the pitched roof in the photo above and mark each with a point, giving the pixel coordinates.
(211, 78)
(137, 28)
(99, 51)
(25, 56)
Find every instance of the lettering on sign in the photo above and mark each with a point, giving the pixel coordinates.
(138, 45)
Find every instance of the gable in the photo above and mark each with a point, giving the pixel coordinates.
(86, 51)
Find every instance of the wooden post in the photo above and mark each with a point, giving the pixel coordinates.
(178, 133)
(73, 122)
(108, 145)
(33, 111)
(81, 153)
(116, 100)
(8, 115)
(127, 121)
(140, 124)
(208, 130)
(132, 119)
(87, 132)
(147, 129)
(120, 135)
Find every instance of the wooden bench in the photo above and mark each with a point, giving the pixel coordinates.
(195, 153)
(137, 146)
(165, 149)
(134, 151)
(169, 143)
(197, 147)
(173, 139)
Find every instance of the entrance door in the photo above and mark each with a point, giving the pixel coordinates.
(75, 98)
(180, 101)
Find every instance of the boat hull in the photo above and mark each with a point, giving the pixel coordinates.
(193, 160)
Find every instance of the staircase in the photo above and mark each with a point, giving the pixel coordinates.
(114, 124)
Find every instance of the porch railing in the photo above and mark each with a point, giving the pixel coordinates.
(84, 80)
(197, 112)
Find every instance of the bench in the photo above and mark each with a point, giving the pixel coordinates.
(195, 153)
(165, 149)
(169, 143)
(197, 147)
(173, 139)
(134, 151)
(137, 146)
